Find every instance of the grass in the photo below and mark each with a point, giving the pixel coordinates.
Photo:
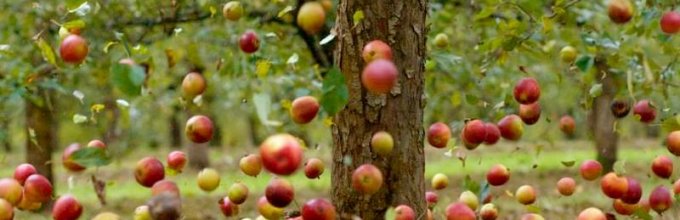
(538, 164)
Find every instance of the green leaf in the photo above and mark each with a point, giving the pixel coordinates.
(486, 12)
(470, 184)
(91, 156)
(47, 52)
(471, 99)
(642, 214)
(671, 124)
(595, 90)
(335, 93)
(78, 24)
(128, 78)
(568, 163)
(78, 118)
(584, 63)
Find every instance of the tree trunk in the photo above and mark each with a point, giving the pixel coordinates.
(197, 153)
(41, 130)
(400, 24)
(175, 128)
(6, 138)
(602, 120)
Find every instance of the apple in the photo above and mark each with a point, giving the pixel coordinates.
(164, 206)
(568, 54)
(566, 186)
(645, 110)
(474, 132)
(511, 127)
(468, 145)
(304, 109)
(441, 40)
(311, 17)
(376, 50)
(530, 113)
(620, 11)
(438, 135)
(327, 5)
(591, 213)
(644, 206)
(26, 205)
(279, 192)
(527, 91)
(249, 43)
(404, 212)
(23, 171)
(142, 213)
(440, 181)
(165, 186)
(208, 179)
(107, 216)
(267, 210)
(382, 143)
(567, 125)
(670, 22)
(238, 193)
(662, 166)
(431, 198)
(613, 185)
(314, 168)
(620, 108)
(176, 161)
(676, 187)
(148, 171)
(320, 209)
(498, 175)
(488, 212)
(251, 165)
(232, 11)
(97, 144)
(281, 154)
(66, 208)
(624, 208)
(380, 76)
(525, 195)
(73, 49)
(37, 188)
(68, 162)
(634, 192)
(590, 169)
(6, 210)
(11, 190)
(199, 129)
(193, 85)
(660, 199)
(470, 199)
(493, 133)
(367, 179)
(459, 211)
(532, 216)
(228, 207)
(673, 143)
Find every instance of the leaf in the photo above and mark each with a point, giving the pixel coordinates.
(335, 93)
(484, 192)
(642, 214)
(77, 24)
(584, 63)
(263, 105)
(327, 39)
(620, 167)
(91, 157)
(128, 78)
(534, 209)
(78, 118)
(82, 10)
(122, 102)
(470, 184)
(569, 163)
(47, 52)
(358, 17)
(262, 68)
(595, 90)
(486, 12)
(285, 11)
(96, 108)
(471, 99)
(671, 124)
(293, 59)
(109, 45)
(79, 95)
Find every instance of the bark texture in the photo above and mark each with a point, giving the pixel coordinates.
(401, 24)
(602, 120)
(41, 132)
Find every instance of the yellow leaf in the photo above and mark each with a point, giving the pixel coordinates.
(547, 24)
(328, 121)
(96, 108)
(286, 104)
(262, 68)
(213, 10)
(358, 16)
(285, 11)
(456, 99)
(47, 52)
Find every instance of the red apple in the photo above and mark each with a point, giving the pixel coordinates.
(199, 129)
(662, 166)
(314, 168)
(525, 195)
(227, 207)
(67, 208)
(279, 192)
(73, 49)
(404, 212)
(165, 186)
(624, 208)
(375, 50)
(591, 214)
(613, 185)
(148, 171)
(251, 165)
(6, 210)
(530, 113)
(474, 132)
(311, 17)
(11, 190)
(249, 42)
(66, 160)
(590, 169)
(281, 154)
(320, 209)
(511, 127)
(97, 144)
(438, 135)
(459, 211)
(208, 179)
(645, 110)
(567, 125)
(440, 181)
(670, 22)
(493, 134)
(26, 205)
(488, 212)
(673, 143)
(267, 210)
(566, 186)
(367, 179)
(382, 143)
(380, 76)
(468, 145)
(238, 193)
(498, 175)
(176, 161)
(527, 91)
(23, 171)
(634, 192)
(620, 108)
(620, 11)
(676, 187)
(193, 85)
(304, 109)
(37, 189)
(532, 216)
(660, 200)
(431, 198)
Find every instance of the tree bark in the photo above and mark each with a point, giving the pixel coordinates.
(602, 120)
(401, 24)
(41, 132)
(175, 128)
(6, 139)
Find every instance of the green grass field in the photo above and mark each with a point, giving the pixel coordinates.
(540, 168)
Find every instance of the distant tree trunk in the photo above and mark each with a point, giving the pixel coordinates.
(197, 153)
(113, 116)
(400, 24)
(175, 128)
(602, 120)
(217, 133)
(40, 143)
(6, 140)
(252, 126)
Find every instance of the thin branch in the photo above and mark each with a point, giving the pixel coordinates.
(565, 7)
(149, 22)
